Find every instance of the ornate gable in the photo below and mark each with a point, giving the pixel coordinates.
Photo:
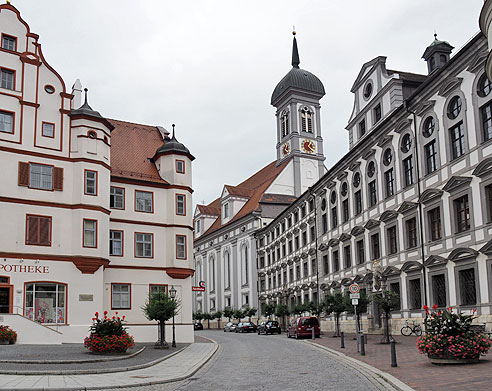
(430, 194)
(484, 168)
(388, 215)
(411, 266)
(357, 230)
(449, 85)
(462, 253)
(312, 251)
(346, 281)
(478, 62)
(323, 247)
(487, 248)
(403, 125)
(371, 223)
(407, 206)
(424, 107)
(335, 285)
(391, 271)
(435, 260)
(455, 182)
(345, 237)
(333, 242)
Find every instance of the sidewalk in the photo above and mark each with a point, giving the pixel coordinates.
(414, 368)
(177, 367)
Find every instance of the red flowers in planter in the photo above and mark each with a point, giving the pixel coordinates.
(7, 334)
(108, 335)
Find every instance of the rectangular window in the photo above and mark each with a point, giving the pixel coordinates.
(90, 233)
(296, 216)
(361, 256)
(226, 211)
(180, 204)
(375, 253)
(324, 222)
(41, 176)
(358, 202)
(38, 230)
(415, 294)
(298, 272)
(120, 296)
(90, 182)
(144, 201)
(362, 128)
(488, 202)
(116, 243)
(305, 271)
(291, 274)
(457, 140)
(180, 166)
(284, 250)
(347, 257)
(392, 240)
(296, 242)
(274, 281)
(430, 152)
(314, 268)
(434, 216)
(334, 217)
(326, 268)
(117, 198)
(462, 212)
(389, 180)
(377, 113)
(486, 114)
(157, 288)
(9, 43)
(304, 238)
(373, 195)
(291, 247)
(6, 122)
(395, 288)
(143, 245)
(7, 79)
(180, 247)
(346, 212)
(411, 228)
(468, 292)
(312, 233)
(408, 171)
(311, 205)
(48, 129)
(336, 261)
(303, 210)
(439, 290)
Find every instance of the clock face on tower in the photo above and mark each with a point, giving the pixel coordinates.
(308, 146)
(285, 149)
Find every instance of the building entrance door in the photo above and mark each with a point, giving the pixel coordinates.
(5, 299)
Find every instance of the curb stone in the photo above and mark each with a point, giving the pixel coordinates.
(381, 379)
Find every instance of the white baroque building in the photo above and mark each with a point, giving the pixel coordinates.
(224, 245)
(409, 207)
(96, 213)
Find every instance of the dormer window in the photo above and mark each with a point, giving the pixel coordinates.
(198, 226)
(226, 211)
(284, 123)
(306, 120)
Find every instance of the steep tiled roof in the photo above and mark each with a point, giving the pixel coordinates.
(132, 145)
(255, 186)
(213, 210)
(239, 191)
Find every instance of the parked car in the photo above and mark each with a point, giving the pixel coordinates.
(197, 326)
(269, 327)
(230, 327)
(301, 327)
(246, 327)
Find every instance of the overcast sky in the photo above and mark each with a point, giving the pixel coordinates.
(210, 66)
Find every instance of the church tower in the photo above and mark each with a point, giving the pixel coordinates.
(296, 98)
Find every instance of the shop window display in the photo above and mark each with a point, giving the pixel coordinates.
(45, 302)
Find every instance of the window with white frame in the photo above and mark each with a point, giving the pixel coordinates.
(143, 245)
(7, 79)
(6, 122)
(117, 198)
(90, 233)
(180, 166)
(116, 243)
(90, 182)
(48, 129)
(41, 176)
(226, 211)
(197, 224)
(120, 296)
(143, 201)
(180, 246)
(9, 43)
(180, 204)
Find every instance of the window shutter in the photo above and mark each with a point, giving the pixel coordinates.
(45, 230)
(23, 178)
(58, 178)
(32, 229)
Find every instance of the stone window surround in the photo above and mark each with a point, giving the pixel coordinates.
(391, 280)
(449, 123)
(403, 155)
(385, 169)
(371, 179)
(426, 140)
(486, 213)
(437, 202)
(405, 229)
(387, 227)
(477, 103)
(414, 275)
(455, 194)
(434, 271)
(462, 264)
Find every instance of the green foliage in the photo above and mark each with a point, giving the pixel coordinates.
(249, 312)
(388, 300)
(334, 303)
(282, 310)
(228, 313)
(107, 325)
(7, 334)
(160, 307)
(238, 314)
(269, 309)
(198, 316)
(300, 308)
(364, 301)
(217, 315)
(315, 309)
(448, 323)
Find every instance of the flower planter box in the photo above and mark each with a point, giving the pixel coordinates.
(452, 360)
(6, 342)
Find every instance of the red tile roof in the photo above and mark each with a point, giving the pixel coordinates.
(255, 186)
(132, 145)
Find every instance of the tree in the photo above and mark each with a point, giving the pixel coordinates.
(269, 310)
(335, 304)
(198, 316)
(208, 316)
(388, 301)
(282, 311)
(315, 309)
(300, 308)
(250, 312)
(161, 307)
(364, 301)
(238, 314)
(228, 313)
(217, 315)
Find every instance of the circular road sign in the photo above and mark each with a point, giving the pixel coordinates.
(354, 288)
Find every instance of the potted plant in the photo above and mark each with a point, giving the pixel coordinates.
(108, 335)
(7, 335)
(450, 338)
(388, 300)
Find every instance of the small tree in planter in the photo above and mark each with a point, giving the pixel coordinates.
(281, 312)
(269, 310)
(218, 315)
(450, 338)
(108, 335)
(228, 313)
(208, 317)
(388, 301)
(7, 335)
(335, 303)
(161, 307)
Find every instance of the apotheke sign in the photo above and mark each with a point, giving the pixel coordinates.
(24, 268)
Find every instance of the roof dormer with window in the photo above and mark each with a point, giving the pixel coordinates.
(232, 200)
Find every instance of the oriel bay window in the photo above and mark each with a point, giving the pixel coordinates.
(116, 243)
(117, 198)
(90, 233)
(120, 296)
(180, 246)
(462, 213)
(144, 201)
(144, 245)
(45, 302)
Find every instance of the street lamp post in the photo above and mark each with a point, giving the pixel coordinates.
(172, 293)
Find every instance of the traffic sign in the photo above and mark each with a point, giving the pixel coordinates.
(355, 295)
(198, 288)
(355, 301)
(354, 288)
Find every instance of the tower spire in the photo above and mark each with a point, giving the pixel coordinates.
(295, 52)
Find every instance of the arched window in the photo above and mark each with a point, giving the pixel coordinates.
(244, 265)
(284, 123)
(227, 269)
(306, 120)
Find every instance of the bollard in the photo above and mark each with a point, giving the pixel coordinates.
(312, 335)
(362, 345)
(393, 353)
(342, 340)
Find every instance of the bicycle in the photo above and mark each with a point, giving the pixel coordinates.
(408, 330)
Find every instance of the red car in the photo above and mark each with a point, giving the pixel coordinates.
(302, 327)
